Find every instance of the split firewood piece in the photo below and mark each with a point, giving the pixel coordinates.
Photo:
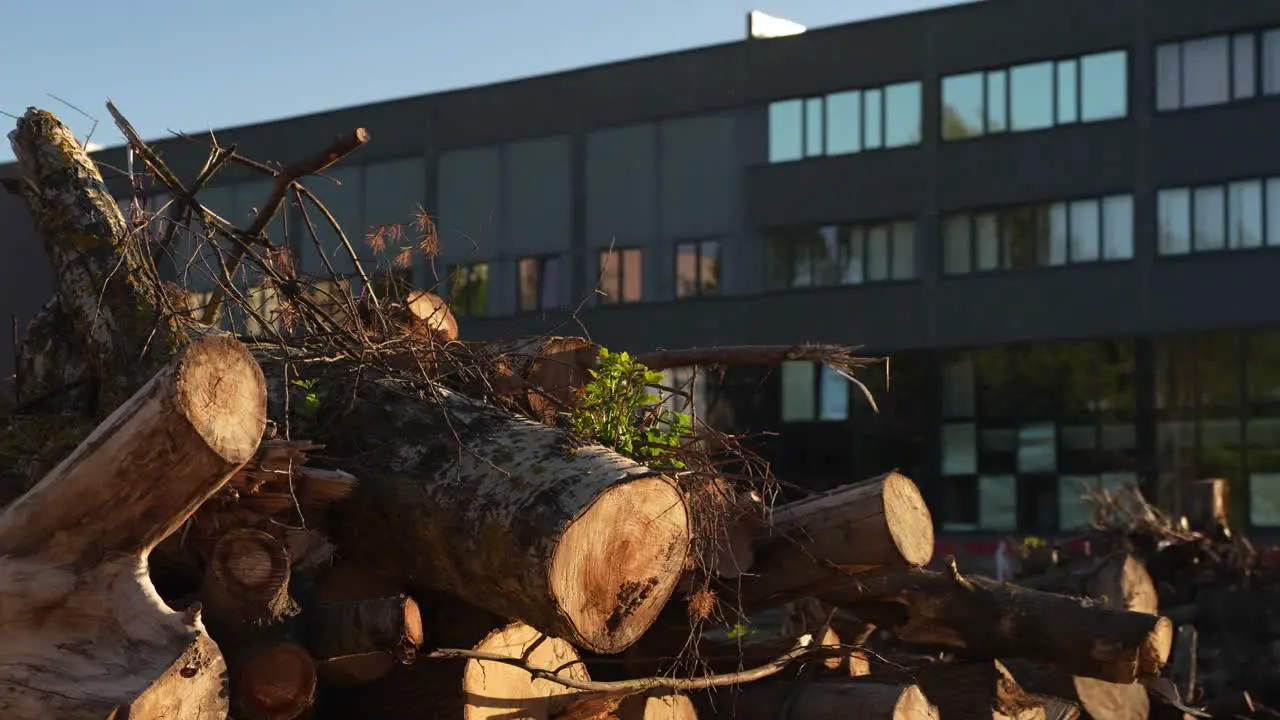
(986, 620)
(509, 515)
(860, 698)
(977, 689)
(85, 633)
(1119, 580)
(820, 541)
(1098, 699)
(657, 705)
(247, 601)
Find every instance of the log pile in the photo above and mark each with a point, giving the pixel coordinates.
(356, 513)
(1214, 585)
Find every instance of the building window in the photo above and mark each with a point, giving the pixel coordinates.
(1026, 428)
(540, 283)
(845, 122)
(1240, 215)
(621, 276)
(1218, 69)
(469, 290)
(841, 255)
(1042, 234)
(697, 268)
(813, 392)
(1035, 96)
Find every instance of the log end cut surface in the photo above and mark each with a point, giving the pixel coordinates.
(903, 504)
(277, 683)
(229, 416)
(619, 561)
(657, 706)
(496, 690)
(250, 564)
(1154, 653)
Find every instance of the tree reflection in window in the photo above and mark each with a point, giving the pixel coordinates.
(469, 289)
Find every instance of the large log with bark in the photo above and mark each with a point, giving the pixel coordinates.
(85, 633)
(1097, 699)
(1118, 580)
(510, 515)
(977, 689)
(988, 619)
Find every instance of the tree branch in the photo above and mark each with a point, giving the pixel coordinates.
(802, 649)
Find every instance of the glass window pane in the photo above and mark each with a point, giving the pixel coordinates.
(1244, 81)
(529, 291)
(1209, 213)
(878, 252)
(998, 502)
(709, 267)
(959, 449)
(962, 106)
(1018, 233)
(844, 122)
(1086, 246)
(826, 254)
(873, 119)
(904, 250)
(1068, 98)
(786, 130)
(1074, 512)
(797, 391)
(686, 270)
(1169, 76)
(1205, 78)
(1174, 227)
(610, 277)
(632, 275)
(1264, 499)
(851, 255)
(1271, 62)
(1117, 227)
(1037, 448)
(1244, 214)
(1057, 234)
(987, 237)
(997, 101)
(957, 245)
(1104, 86)
(813, 134)
(958, 388)
(550, 284)
(1031, 96)
(833, 400)
(902, 114)
(1273, 212)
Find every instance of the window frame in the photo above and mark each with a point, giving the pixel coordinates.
(847, 235)
(818, 372)
(1269, 215)
(698, 243)
(617, 271)
(1257, 36)
(821, 122)
(540, 261)
(470, 269)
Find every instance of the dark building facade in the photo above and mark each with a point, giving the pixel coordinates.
(1059, 218)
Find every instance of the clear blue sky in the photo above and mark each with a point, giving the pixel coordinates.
(215, 63)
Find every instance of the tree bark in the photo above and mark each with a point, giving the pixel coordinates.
(861, 699)
(1119, 580)
(1097, 699)
(387, 625)
(347, 582)
(540, 376)
(510, 515)
(987, 619)
(86, 635)
(117, 324)
(821, 541)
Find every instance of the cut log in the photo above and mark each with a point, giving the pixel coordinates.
(422, 315)
(657, 706)
(987, 619)
(85, 633)
(496, 690)
(1098, 699)
(246, 585)
(818, 701)
(1118, 580)
(348, 582)
(274, 682)
(541, 376)
(356, 628)
(821, 541)
(979, 689)
(510, 515)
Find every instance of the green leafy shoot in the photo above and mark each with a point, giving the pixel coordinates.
(310, 401)
(618, 410)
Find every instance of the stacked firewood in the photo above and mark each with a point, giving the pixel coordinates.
(369, 517)
(1218, 589)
